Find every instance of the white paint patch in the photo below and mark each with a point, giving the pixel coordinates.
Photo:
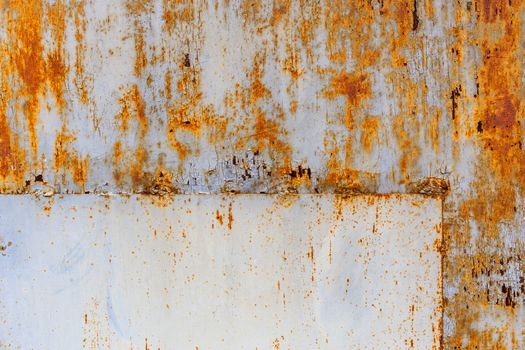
(220, 272)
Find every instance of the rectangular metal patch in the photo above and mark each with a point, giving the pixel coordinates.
(220, 272)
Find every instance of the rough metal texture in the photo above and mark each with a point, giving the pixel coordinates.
(286, 96)
(221, 272)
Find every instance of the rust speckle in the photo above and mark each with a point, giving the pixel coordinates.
(230, 216)
(310, 253)
(218, 216)
(276, 344)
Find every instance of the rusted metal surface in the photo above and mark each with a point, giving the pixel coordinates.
(221, 272)
(282, 96)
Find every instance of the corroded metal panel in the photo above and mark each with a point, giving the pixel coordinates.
(280, 96)
(249, 96)
(221, 272)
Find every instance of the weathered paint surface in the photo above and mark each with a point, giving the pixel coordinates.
(221, 272)
(166, 96)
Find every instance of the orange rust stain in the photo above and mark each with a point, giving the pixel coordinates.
(410, 151)
(337, 19)
(276, 344)
(12, 156)
(492, 10)
(182, 150)
(218, 216)
(250, 11)
(168, 93)
(67, 163)
(348, 25)
(292, 64)
(280, 11)
(133, 106)
(140, 51)
(356, 89)
(177, 12)
(307, 24)
(257, 90)
(350, 36)
(268, 137)
(138, 176)
(56, 68)
(127, 161)
(24, 25)
(341, 178)
(135, 9)
(369, 133)
(57, 72)
(293, 106)
(306, 30)
(401, 13)
(80, 171)
(434, 131)
(12, 159)
(310, 253)
(183, 115)
(267, 134)
(138, 7)
(118, 174)
(230, 217)
(5, 144)
(187, 114)
(81, 79)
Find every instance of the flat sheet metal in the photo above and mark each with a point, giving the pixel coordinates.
(220, 272)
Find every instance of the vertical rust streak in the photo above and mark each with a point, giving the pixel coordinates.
(26, 52)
